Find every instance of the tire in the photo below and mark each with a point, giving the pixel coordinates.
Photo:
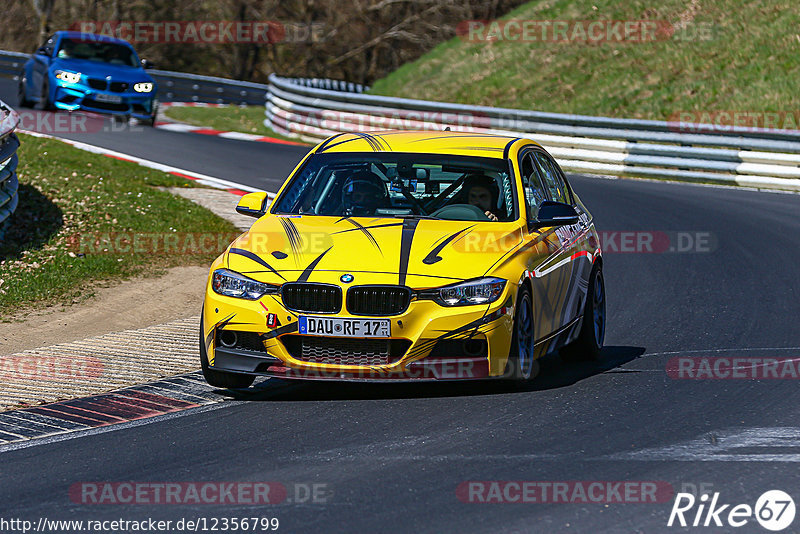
(521, 366)
(221, 379)
(152, 120)
(45, 98)
(589, 342)
(21, 100)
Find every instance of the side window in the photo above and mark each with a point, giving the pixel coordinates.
(532, 186)
(49, 46)
(555, 186)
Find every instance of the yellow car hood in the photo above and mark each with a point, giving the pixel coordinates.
(414, 252)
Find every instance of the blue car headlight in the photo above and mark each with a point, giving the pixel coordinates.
(481, 291)
(144, 87)
(231, 284)
(67, 76)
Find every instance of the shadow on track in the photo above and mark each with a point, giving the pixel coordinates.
(555, 373)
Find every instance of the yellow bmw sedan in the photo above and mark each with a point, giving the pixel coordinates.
(407, 256)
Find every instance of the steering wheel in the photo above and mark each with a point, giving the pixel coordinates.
(461, 212)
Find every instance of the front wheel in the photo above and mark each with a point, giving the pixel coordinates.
(522, 366)
(589, 342)
(220, 379)
(47, 104)
(22, 99)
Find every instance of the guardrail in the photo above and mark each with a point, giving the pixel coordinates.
(173, 86)
(580, 143)
(9, 143)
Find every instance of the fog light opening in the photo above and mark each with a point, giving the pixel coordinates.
(473, 347)
(228, 338)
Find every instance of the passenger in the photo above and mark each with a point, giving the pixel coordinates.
(482, 191)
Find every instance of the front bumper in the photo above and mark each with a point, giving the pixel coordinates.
(428, 341)
(73, 97)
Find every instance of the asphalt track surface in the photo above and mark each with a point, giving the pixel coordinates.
(392, 456)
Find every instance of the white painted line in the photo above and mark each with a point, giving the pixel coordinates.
(204, 179)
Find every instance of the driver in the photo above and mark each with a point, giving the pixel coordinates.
(363, 193)
(481, 191)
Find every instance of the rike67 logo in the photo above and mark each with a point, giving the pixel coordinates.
(774, 510)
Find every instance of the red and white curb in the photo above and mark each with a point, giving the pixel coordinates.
(166, 123)
(204, 179)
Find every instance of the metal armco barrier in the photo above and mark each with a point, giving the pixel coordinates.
(173, 86)
(179, 87)
(9, 143)
(586, 144)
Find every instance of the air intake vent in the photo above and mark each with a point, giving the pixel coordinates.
(96, 83)
(344, 351)
(378, 300)
(312, 298)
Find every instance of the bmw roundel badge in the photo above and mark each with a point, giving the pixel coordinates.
(346, 278)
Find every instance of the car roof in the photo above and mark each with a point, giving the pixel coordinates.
(91, 37)
(423, 142)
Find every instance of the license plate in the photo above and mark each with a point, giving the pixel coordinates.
(111, 99)
(343, 327)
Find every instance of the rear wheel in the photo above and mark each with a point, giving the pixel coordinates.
(220, 379)
(521, 366)
(593, 330)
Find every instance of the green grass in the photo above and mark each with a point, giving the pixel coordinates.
(246, 119)
(66, 193)
(751, 62)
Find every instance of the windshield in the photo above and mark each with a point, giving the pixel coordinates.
(114, 53)
(401, 185)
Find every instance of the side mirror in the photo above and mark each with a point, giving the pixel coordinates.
(147, 64)
(42, 51)
(555, 214)
(253, 204)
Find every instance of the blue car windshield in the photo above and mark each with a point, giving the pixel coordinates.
(113, 53)
(401, 185)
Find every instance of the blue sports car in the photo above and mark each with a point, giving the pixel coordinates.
(74, 70)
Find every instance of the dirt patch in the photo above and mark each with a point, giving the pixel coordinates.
(135, 303)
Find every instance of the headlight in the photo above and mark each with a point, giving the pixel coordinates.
(481, 291)
(144, 87)
(69, 77)
(231, 284)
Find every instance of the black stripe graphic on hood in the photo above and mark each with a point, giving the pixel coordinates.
(407, 237)
(292, 235)
(304, 277)
(255, 258)
(366, 232)
(433, 255)
(370, 227)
